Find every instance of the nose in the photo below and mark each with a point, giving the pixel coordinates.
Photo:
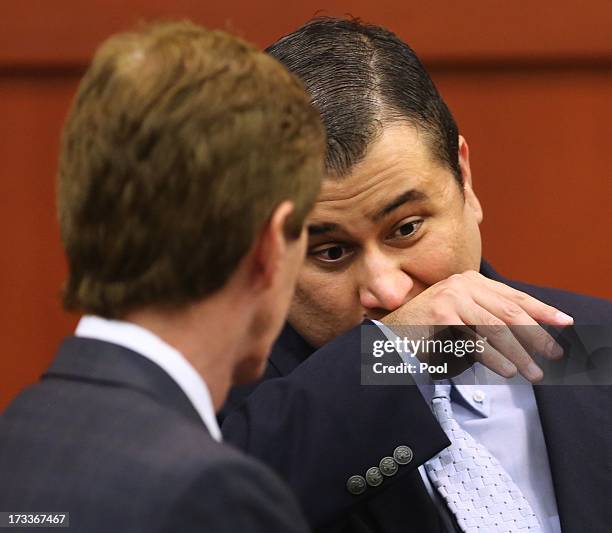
(384, 285)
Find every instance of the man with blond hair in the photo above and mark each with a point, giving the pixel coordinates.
(189, 162)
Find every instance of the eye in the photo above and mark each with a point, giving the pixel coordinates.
(406, 229)
(330, 254)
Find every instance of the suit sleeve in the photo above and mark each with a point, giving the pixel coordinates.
(236, 495)
(319, 426)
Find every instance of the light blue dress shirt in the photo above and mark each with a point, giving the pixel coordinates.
(503, 416)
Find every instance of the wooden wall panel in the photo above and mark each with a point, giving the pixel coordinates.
(542, 167)
(529, 82)
(32, 267)
(39, 31)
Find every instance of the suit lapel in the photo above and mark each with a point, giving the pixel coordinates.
(104, 363)
(577, 430)
(577, 426)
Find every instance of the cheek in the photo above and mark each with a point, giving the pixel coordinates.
(431, 266)
(323, 306)
(319, 296)
(450, 251)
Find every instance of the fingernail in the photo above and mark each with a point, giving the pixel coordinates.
(555, 350)
(534, 372)
(509, 369)
(563, 318)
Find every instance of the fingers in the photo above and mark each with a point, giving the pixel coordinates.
(495, 361)
(536, 309)
(491, 357)
(493, 308)
(533, 337)
(503, 347)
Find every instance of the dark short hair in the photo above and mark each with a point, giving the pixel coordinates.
(360, 77)
(179, 145)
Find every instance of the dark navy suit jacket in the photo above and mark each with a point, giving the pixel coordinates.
(312, 421)
(109, 437)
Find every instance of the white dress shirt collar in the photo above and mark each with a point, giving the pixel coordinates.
(149, 345)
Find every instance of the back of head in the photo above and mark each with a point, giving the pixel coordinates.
(361, 77)
(180, 143)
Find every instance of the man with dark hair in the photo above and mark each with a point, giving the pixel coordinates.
(394, 240)
(189, 162)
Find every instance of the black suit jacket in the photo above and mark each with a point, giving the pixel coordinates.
(312, 421)
(109, 437)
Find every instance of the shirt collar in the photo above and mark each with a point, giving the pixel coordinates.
(149, 345)
(470, 388)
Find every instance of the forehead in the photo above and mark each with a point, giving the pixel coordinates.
(397, 162)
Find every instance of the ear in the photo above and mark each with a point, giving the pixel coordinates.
(270, 248)
(466, 176)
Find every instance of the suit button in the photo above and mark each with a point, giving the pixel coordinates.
(388, 466)
(403, 455)
(374, 476)
(356, 485)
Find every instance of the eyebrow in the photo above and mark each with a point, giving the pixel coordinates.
(320, 229)
(411, 195)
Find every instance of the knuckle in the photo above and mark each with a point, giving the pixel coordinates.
(452, 286)
(512, 310)
(448, 292)
(521, 297)
(456, 279)
(440, 316)
(495, 326)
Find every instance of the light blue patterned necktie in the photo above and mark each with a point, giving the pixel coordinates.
(476, 488)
